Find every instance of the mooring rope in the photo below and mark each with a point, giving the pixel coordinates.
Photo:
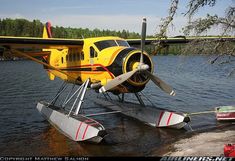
(198, 113)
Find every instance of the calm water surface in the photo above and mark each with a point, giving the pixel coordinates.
(23, 131)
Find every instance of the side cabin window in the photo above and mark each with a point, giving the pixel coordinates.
(70, 57)
(93, 53)
(74, 55)
(62, 60)
(82, 55)
(67, 59)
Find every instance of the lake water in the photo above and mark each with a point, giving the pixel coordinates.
(199, 86)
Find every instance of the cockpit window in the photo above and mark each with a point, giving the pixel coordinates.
(105, 44)
(110, 43)
(122, 43)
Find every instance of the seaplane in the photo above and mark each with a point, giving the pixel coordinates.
(104, 64)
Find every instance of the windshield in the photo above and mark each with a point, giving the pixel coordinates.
(105, 44)
(110, 43)
(122, 43)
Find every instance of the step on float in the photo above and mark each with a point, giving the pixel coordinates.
(76, 127)
(152, 116)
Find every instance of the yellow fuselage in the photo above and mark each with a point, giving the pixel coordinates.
(100, 59)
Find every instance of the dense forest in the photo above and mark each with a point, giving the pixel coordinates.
(23, 27)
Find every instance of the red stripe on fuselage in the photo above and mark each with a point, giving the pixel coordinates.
(92, 65)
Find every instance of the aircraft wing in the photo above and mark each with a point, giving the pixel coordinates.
(177, 40)
(39, 43)
(15, 45)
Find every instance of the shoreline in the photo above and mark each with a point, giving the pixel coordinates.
(206, 143)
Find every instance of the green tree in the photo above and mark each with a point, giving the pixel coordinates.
(23, 27)
(201, 25)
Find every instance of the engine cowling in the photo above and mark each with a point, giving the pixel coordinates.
(131, 62)
(127, 60)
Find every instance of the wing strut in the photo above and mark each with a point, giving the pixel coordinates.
(20, 53)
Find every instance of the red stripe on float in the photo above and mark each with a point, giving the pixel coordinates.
(84, 134)
(160, 118)
(169, 118)
(78, 130)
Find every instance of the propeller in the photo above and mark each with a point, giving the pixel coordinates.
(160, 83)
(117, 80)
(143, 36)
(140, 68)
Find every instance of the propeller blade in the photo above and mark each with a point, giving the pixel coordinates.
(160, 83)
(143, 36)
(117, 80)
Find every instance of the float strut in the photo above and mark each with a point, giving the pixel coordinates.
(81, 93)
(82, 96)
(139, 99)
(123, 97)
(60, 91)
(67, 97)
(105, 96)
(108, 96)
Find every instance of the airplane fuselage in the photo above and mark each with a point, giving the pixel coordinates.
(100, 59)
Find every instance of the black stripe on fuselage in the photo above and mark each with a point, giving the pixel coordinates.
(98, 69)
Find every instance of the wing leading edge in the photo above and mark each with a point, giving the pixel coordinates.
(39, 43)
(177, 40)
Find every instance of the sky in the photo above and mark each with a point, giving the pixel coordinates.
(106, 14)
